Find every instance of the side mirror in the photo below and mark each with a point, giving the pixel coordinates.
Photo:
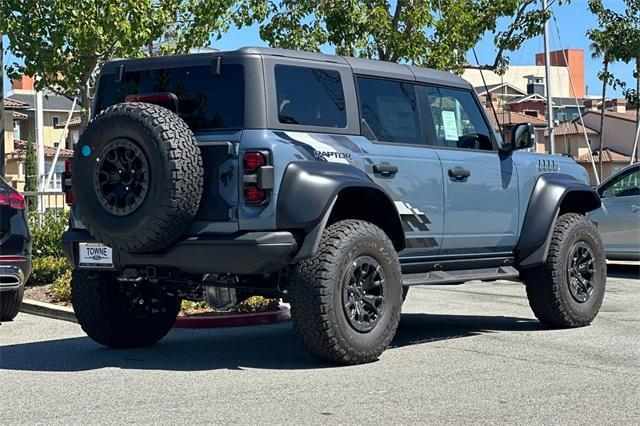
(522, 137)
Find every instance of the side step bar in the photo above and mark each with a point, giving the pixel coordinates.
(461, 276)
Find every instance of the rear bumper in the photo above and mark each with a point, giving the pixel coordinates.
(248, 253)
(14, 275)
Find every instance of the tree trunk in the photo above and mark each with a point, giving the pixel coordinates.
(602, 111)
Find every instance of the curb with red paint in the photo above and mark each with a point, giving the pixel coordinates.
(235, 320)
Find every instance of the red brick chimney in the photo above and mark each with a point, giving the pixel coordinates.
(574, 62)
(24, 83)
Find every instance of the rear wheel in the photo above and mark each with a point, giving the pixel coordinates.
(346, 299)
(10, 302)
(567, 291)
(121, 315)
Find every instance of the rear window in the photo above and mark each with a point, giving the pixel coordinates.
(205, 101)
(310, 97)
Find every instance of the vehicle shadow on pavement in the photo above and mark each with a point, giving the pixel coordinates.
(266, 347)
(620, 270)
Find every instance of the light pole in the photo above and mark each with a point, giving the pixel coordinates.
(2, 153)
(547, 69)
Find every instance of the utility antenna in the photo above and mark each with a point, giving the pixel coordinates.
(547, 69)
(486, 89)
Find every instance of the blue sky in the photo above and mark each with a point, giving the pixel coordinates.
(573, 20)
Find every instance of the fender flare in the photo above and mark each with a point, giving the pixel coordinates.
(308, 192)
(552, 194)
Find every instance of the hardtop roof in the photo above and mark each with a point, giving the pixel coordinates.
(358, 65)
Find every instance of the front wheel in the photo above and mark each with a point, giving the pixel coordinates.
(346, 299)
(567, 291)
(121, 315)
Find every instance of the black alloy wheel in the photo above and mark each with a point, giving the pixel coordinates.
(580, 271)
(363, 293)
(121, 180)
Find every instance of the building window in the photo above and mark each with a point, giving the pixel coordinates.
(55, 120)
(561, 117)
(16, 129)
(55, 184)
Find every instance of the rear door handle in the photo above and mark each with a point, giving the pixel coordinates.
(385, 169)
(635, 208)
(459, 173)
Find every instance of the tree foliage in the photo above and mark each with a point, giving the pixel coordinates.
(617, 38)
(433, 33)
(65, 42)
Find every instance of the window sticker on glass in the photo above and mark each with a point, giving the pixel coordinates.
(450, 125)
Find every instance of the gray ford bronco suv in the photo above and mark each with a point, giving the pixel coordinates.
(333, 182)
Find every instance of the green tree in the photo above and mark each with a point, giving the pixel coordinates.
(629, 51)
(65, 42)
(608, 44)
(436, 34)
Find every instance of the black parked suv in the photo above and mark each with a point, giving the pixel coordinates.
(333, 182)
(15, 250)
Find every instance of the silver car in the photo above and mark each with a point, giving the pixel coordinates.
(619, 217)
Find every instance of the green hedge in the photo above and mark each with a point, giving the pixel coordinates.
(46, 232)
(47, 269)
(60, 289)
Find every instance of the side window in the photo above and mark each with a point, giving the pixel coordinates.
(624, 185)
(310, 96)
(389, 110)
(457, 119)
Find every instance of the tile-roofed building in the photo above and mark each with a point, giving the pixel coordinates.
(619, 128)
(74, 122)
(20, 150)
(612, 161)
(571, 128)
(608, 156)
(50, 101)
(511, 118)
(14, 104)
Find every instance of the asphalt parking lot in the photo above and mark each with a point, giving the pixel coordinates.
(463, 354)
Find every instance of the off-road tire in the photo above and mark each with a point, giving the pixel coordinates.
(101, 309)
(548, 285)
(316, 288)
(10, 302)
(174, 181)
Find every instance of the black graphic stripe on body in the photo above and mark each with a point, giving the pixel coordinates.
(414, 223)
(306, 150)
(420, 243)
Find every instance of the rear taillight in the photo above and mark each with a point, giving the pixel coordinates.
(258, 176)
(253, 161)
(13, 200)
(12, 259)
(66, 182)
(253, 194)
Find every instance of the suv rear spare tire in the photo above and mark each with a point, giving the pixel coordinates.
(137, 177)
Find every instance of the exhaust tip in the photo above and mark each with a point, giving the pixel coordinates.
(8, 282)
